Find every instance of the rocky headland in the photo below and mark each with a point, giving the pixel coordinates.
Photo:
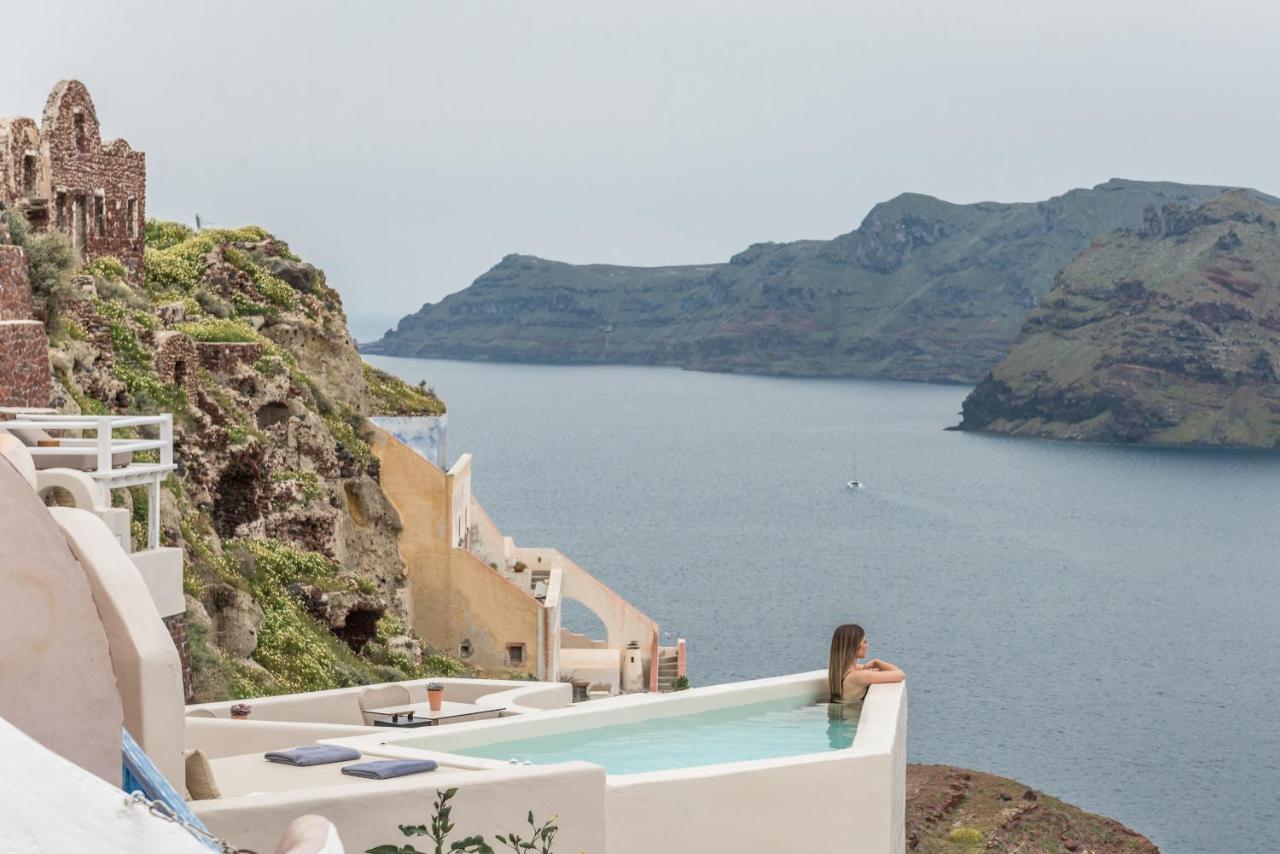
(952, 810)
(292, 571)
(1164, 334)
(922, 290)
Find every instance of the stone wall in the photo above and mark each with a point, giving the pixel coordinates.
(66, 178)
(15, 289)
(24, 349)
(24, 370)
(176, 361)
(223, 357)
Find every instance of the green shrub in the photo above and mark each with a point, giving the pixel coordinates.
(297, 650)
(219, 330)
(394, 396)
(342, 426)
(161, 234)
(106, 267)
(966, 836)
(51, 258)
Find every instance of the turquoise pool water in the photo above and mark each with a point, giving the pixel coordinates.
(756, 731)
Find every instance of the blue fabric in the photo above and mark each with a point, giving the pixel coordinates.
(385, 769)
(315, 754)
(142, 775)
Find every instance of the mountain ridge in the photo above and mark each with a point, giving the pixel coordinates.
(922, 289)
(1169, 335)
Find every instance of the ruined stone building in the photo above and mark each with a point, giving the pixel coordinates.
(63, 176)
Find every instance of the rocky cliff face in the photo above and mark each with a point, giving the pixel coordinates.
(922, 290)
(293, 572)
(950, 809)
(1167, 334)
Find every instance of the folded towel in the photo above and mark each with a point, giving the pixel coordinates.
(316, 754)
(384, 769)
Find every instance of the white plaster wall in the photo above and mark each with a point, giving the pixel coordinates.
(161, 571)
(850, 800)
(623, 621)
(219, 737)
(367, 813)
(845, 802)
(342, 705)
(459, 480)
(143, 657)
(596, 666)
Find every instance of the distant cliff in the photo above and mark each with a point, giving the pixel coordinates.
(1168, 335)
(922, 290)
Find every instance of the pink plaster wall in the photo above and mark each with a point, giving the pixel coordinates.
(56, 680)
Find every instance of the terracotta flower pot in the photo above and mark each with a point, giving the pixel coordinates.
(435, 699)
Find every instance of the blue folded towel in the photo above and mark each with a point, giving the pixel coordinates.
(316, 754)
(384, 769)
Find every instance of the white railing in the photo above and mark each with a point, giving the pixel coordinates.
(104, 443)
(102, 448)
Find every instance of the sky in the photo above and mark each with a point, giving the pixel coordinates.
(406, 147)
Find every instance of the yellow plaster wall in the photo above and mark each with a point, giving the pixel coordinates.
(452, 594)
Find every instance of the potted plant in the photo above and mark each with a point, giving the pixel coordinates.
(435, 695)
(240, 711)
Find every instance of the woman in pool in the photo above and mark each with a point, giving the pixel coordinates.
(848, 680)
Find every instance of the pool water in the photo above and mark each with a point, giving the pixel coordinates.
(766, 730)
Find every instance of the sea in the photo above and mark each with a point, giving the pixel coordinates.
(1099, 622)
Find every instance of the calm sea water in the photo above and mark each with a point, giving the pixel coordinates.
(1098, 622)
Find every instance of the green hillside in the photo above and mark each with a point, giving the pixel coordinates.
(1169, 335)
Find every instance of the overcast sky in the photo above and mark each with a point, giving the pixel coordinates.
(406, 147)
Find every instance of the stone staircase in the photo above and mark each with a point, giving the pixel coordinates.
(667, 669)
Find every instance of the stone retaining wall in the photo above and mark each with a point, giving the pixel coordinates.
(15, 289)
(24, 368)
(25, 378)
(224, 357)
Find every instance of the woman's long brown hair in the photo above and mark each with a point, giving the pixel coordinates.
(844, 649)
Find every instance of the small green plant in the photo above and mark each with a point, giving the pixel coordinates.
(106, 267)
(541, 841)
(966, 836)
(680, 683)
(220, 330)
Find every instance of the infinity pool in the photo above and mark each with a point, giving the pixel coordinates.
(765, 730)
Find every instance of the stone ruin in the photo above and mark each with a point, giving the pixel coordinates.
(25, 378)
(64, 177)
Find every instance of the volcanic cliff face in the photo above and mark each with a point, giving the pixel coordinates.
(293, 573)
(922, 290)
(1168, 334)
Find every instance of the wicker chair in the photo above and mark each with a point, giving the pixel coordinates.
(381, 697)
(201, 713)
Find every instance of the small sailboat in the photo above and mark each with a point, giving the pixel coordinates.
(854, 484)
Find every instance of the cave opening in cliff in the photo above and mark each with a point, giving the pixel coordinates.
(238, 491)
(360, 626)
(272, 414)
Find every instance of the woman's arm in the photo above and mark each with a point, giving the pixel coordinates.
(869, 675)
(877, 664)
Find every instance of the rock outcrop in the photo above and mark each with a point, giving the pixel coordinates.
(951, 809)
(1168, 334)
(293, 572)
(922, 290)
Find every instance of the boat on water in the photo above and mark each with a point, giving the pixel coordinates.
(854, 484)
